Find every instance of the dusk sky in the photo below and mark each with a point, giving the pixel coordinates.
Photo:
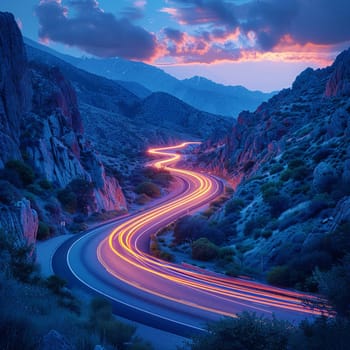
(261, 44)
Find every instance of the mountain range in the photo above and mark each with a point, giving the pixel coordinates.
(120, 123)
(142, 79)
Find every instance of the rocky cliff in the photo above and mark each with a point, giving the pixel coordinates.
(289, 165)
(42, 142)
(15, 92)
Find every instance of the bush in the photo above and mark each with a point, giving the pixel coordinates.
(190, 228)
(269, 190)
(68, 200)
(276, 168)
(296, 163)
(247, 331)
(255, 224)
(279, 276)
(56, 284)
(204, 250)
(43, 231)
(9, 194)
(233, 206)
(45, 184)
(77, 196)
(109, 329)
(148, 188)
(24, 171)
(278, 204)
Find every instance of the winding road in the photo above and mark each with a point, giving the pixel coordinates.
(114, 260)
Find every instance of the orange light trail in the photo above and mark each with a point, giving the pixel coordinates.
(124, 254)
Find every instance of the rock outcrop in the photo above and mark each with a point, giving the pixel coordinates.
(15, 89)
(41, 127)
(19, 222)
(55, 341)
(289, 163)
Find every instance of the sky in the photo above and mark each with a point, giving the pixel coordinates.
(260, 44)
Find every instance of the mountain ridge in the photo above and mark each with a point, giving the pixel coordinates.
(155, 79)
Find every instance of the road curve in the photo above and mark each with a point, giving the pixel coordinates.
(114, 260)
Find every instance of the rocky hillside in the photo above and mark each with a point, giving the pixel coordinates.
(43, 147)
(289, 163)
(121, 124)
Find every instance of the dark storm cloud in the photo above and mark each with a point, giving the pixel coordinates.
(92, 30)
(316, 21)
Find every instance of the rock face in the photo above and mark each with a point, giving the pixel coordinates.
(55, 341)
(339, 81)
(15, 89)
(20, 222)
(289, 163)
(41, 126)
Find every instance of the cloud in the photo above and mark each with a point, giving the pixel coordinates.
(84, 25)
(233, 30)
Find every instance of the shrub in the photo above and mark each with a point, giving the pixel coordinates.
(148, 188)
(11, 176)
(77, 196)
(45, 184)
(269, 190)
(319, 203)
(103, 322)
(68, 200)
(83, 190)
(234, 205)
(56, 284)
(24, 171)
(278, 204)
(296, 163)
(9, 194)
(279, 276)
(43, 231)
(276, 168)
(254, 224)
(204, 250)
(247, 331)
(300, 173)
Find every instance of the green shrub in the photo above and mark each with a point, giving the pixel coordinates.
(43, 231)
(247, 331)
(68, 200)
(77, 196)
(296, 163)
(204, 250)
(56, 284)
(269, 190)
(234, 205)
(255, 224)
(106, 326)
(9, 194)
(45, 184)
(148, 188)
(300, 173)
(279, 276)
(276, 168)
(25, 172)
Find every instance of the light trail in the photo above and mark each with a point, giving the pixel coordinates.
(125, 255)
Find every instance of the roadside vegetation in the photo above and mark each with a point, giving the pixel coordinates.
(32, 306)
